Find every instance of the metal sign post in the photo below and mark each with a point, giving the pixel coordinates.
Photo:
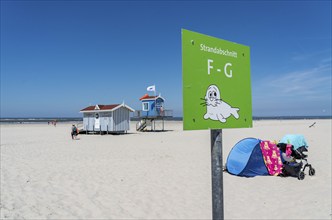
(217, 175)
(216, 95)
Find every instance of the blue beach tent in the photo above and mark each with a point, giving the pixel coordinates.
(246, 159)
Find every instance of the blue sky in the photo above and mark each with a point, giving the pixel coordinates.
(58, 57)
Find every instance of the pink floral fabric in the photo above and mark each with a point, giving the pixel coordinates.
(271, 155)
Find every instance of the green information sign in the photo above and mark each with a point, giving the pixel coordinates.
(216, 83)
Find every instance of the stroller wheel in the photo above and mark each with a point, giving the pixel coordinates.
(301, 176)
(312, 172)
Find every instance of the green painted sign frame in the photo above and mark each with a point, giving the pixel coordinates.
(216, 83)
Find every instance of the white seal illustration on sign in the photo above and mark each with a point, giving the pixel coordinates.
(216, 108)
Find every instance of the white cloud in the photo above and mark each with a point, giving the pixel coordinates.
(312, 55)
(309, 83)
(303, 92)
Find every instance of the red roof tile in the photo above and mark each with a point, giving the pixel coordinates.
(148, 97)
(101, 107)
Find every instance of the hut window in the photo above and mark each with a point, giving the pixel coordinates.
(145, 106)
(97, 115)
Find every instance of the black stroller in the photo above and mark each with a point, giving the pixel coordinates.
(293, 149)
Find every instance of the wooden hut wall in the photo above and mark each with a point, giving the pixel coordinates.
(121, 119)
(111, 122)
(88, 121)
(105, 120)
(150, 111)
(85, 121)
(117, 120)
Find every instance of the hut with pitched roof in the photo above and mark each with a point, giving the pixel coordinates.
(112, 118)
(153, 110)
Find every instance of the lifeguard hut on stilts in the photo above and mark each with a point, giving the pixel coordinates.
(153, 112)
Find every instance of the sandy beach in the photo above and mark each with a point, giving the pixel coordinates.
(153, 175)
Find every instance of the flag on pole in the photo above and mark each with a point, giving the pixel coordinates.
(151, 88)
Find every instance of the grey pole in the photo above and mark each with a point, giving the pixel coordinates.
(217, 175)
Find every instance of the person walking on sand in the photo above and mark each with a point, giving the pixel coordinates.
(74, 132)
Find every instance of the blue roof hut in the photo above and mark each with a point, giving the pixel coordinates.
(153, 109)
(152, 106)
(112, 118)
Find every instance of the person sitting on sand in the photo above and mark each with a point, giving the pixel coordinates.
(74, 132)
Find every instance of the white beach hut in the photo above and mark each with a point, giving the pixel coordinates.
(112, 118)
